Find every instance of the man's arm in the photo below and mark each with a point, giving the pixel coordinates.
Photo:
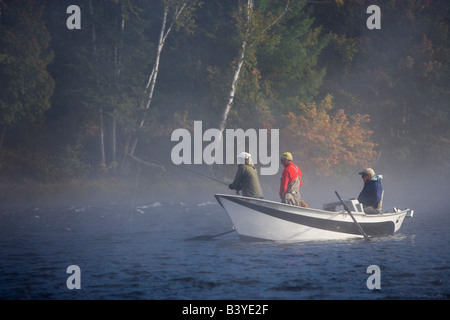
(284, 182)
(237, 183)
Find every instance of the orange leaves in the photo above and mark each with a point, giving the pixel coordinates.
(328, 143)
(339, 3)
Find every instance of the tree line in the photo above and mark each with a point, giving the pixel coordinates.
(95, 101)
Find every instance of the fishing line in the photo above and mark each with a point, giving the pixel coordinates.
(201, 174)
(192, 171)
(132, 208)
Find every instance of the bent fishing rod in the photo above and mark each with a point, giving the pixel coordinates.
(192, 171)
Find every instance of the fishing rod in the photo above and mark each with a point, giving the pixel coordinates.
(203, 237)
(200, 174)
(193, 171)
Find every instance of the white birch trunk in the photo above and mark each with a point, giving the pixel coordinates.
(150, 88)
(118, 64)
(101, 125)
(241, 56)
(239, 64)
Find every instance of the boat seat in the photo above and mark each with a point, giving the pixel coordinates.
(352, 204)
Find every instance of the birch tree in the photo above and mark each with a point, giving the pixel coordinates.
(176, 14)
(112, 69)
(253, 26)
(100, 111)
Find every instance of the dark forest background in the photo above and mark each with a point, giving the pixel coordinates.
(84, 105)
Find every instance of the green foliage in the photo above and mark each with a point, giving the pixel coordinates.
(398, 75)
(67, 162)
(289, 62)
(26, 86)
(281, 62)
(296, 60)
(43, 159)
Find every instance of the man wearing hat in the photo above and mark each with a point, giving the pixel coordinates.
(246, 179)
(291, 181)
(371, 194)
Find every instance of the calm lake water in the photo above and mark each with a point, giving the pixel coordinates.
(143, 254)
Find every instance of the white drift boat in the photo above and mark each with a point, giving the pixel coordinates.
(259, 219)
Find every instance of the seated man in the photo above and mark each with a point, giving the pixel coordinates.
(371, 195)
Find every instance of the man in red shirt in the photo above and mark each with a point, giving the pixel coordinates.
(291, 181)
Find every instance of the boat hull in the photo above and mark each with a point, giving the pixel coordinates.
(258, 219)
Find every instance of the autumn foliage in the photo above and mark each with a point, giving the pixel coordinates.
(73, 99)
(328, 142)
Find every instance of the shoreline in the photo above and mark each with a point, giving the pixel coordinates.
(59, 193)
(98, 191)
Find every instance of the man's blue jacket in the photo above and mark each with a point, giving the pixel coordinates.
(371, 193)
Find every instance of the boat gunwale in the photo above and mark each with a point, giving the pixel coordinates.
(312, 210)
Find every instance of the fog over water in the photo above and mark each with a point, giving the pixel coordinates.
(139, 250)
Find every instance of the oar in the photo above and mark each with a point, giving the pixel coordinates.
(209, 237)
(351, 215)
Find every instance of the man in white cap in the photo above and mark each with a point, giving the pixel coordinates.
(371, 194)
(246, 179)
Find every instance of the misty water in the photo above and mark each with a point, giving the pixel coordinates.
(142, 252)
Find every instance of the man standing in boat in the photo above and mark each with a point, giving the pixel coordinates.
(371, 194)
(291, 181)
(246, 179)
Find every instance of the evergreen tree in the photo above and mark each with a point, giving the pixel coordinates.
(25, 84)
(398, 75)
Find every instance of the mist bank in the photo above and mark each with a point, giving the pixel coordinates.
(419, 191)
